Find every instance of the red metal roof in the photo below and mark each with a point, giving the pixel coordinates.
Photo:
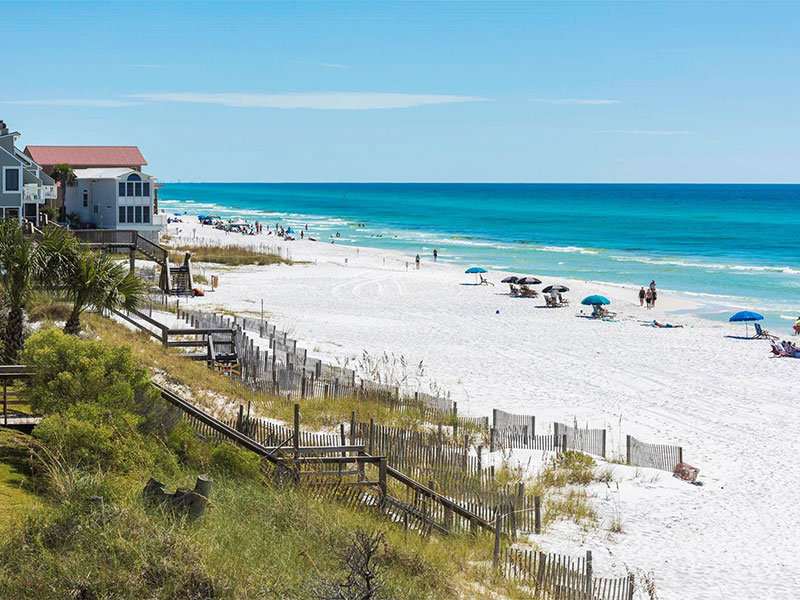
(87, 156)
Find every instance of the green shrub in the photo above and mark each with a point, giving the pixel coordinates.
(187, 446)
(88, 435)
(71, 370)
(235, 462)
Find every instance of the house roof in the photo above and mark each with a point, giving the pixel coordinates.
(102, 173)
(87, 156)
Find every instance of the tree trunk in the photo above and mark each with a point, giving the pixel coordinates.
(73, 324)
(13, 336)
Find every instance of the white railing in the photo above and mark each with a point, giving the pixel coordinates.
(31, 192)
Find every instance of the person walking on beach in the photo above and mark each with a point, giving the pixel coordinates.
(641, 296)
(653, 292)
(648, 298)
(435, 254)
(416, 260)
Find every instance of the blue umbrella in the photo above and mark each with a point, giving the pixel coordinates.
(477, 271)
(290, 230)
(746, 316)
(594, 300)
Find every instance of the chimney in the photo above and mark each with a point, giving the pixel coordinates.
(3, 128)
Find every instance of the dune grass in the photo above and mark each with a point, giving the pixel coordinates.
(228, 254)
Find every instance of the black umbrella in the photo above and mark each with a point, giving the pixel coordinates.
(558, 288)
(512, 279)
(529, 281)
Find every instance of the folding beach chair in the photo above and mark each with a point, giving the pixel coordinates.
(763, 334)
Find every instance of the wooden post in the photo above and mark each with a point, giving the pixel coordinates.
(498, 522)
(604, 443)
(494, 417)
(480, 461)
(240, 419)
(537, 508)
(491, 440)
(631, 585)
(680, 449)
(564, 443)
(589, 575)
(371, 447)
(5, 401)
(382, 475)
(352, 427)
(296, 437)
(628, 450)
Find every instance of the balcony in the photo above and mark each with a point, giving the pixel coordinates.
(50, 192)
(32, 192)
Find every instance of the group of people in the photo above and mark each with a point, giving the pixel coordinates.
(785, 349)
(648, 296)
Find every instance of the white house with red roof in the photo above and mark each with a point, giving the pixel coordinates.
(110, 190)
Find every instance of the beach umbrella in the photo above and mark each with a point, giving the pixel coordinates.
(529, 281)
(746, 316)
(290, 230)
(558, 288)
(512, 279)
(595, 300)
(477, 271)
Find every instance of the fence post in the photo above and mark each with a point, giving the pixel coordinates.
(537, 511)
(455, 420)
(494, 417)
(382, 475)
(631, 585)
(296, 437)
(555, 437)
(628, 449)
(491, 440)
(352, 428)
(604, 443)
(371, 434)
(564, 443)
(480, 461)
(680, 454)
(497, 534)
(240, 419)
(589, 575)
(533, 425)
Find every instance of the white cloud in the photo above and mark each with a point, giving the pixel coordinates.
(78, 102)
(574, 101)
(312, 100)
(645, 131)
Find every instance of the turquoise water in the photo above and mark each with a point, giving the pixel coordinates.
(725, 246)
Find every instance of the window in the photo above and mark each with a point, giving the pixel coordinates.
(138, 188)
(122, 189)
(145, 214)
(138, 214)
(96, 209)
(130, 189)
(121, 213)
(146, 189)
(85, 198)
(130, 215)
(134, 177)
(11, 177)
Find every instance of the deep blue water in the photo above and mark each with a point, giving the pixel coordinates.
(726, 246)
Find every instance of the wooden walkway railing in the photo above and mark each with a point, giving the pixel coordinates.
(9, 374)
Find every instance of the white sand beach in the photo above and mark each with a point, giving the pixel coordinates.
(732, 408)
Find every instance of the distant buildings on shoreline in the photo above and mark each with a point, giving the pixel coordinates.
(109, 190)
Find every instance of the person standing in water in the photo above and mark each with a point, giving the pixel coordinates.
(435, 254)
(641, 296)
(416, 260)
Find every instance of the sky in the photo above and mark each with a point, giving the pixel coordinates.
(414, 91)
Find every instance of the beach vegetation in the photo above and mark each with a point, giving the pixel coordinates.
(97, 281)
(27, 263)
(81, 530)
(228, 254)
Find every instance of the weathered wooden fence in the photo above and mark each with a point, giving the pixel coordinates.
(656, 456)
(562, 577)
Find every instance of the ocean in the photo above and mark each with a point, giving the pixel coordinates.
(725, 247)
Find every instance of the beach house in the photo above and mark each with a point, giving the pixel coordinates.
(110, 191)
(25, 186)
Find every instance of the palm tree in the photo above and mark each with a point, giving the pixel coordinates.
(28, 262)
(63, 173)
(97, 281)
